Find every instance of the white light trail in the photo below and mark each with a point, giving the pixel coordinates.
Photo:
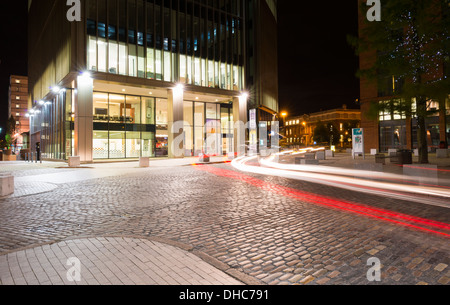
(329, 176)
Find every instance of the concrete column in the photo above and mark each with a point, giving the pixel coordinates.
(240, 118)
(176, 125)
(84, 119)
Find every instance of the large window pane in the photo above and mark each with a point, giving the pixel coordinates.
(158, 65)
(92, 53)
(199, 123)
(117, 109)
(132, 61)
(123, 59)
(133, 144)
(101, 113)
(148, 111)
(188, 113)
(162, 132)
(150, 63)
(167, 67)
(183, 69)
(148, 144)
(141, 62)
(116, 144)
(113, 56)
(133, 110)
(100, 145)
(102, 55)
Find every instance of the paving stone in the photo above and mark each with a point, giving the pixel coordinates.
(441, 267)
(232, 221)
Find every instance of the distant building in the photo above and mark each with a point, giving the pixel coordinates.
(18, 108)
(299, 130)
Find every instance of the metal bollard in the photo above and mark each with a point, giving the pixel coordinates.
(31, 157)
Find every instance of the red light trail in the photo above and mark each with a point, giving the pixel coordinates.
(414, 222)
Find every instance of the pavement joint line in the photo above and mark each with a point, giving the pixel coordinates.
(230, 271)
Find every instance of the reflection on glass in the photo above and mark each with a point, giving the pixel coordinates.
(133, 110)
(117, 108)
(148, 112)
(101, 107)
(116, 144)
(188, 131)
(133, 144)
(148, 143)
(100, 145)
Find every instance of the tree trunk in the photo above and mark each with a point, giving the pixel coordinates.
(422, 131)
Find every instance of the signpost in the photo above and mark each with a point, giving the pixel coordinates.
(358, 142)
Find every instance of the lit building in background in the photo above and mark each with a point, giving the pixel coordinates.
(299, 130)
(117, 84)
(18, 109)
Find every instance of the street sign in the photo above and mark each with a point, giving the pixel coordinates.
(358, 142)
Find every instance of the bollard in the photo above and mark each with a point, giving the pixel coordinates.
(6, 184)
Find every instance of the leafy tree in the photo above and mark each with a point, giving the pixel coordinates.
(10, 131)
(412, 43)
(326, 133)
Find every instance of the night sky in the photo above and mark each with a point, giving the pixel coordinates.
(317, 66)
(13, 48)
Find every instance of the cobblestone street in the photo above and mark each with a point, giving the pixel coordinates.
(258, 231)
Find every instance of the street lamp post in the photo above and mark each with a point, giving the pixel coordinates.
(284, 115)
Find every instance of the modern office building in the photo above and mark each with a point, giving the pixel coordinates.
(118, 83)
(18, 109)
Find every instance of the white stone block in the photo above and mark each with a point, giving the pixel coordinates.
(6, 185)
(74, 161)
(144, 162)
(320, 155)
(310, 156)
(441, 153)
(329, 154)
(392, 152)
(309, 161)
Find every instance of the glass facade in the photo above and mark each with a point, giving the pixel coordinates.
(124, 126)
(52, 126)
(192, 42)
(127, 126)
(208, 128)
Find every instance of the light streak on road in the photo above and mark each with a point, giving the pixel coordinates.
(417, 223)
(334, 177)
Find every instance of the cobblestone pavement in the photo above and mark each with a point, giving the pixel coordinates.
(271, 237)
